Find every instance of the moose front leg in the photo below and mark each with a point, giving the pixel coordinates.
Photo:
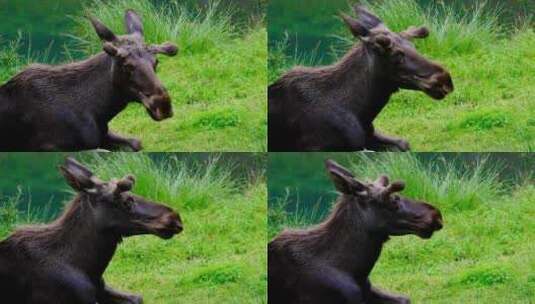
(334, 130)
(377, 296)
(322, 284)
(111, 296)
(377, 141)
(62, 284)
(112, 140)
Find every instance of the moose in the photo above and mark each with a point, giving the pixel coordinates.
(332, 108)
(331, 262)
(63, 262)
(68, 107)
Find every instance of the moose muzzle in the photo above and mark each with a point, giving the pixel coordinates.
(438, 85)
(168, 226)
(431, 222)
(158, 105)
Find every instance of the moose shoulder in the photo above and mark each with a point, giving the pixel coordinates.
(63, 262)
(331, 262)
(68, 107)
(332, 108)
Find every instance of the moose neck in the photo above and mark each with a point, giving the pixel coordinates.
(76, 239)
(347, 239)
(94, 84)
(359, 85)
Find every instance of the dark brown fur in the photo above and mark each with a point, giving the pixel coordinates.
(331, 262)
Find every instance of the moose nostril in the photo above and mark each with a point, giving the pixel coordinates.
(178, 225)
(174, 222)
(446, 81)
(437, 223)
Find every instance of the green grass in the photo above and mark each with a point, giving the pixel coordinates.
(219, 258)
(9, 213)
(484, 254)
(10, 61)
(217, 81)
(279, 61)
(491, 108)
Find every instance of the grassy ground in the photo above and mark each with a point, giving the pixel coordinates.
(219, 258)
(217, 81)
(491, 108)
(484, 254)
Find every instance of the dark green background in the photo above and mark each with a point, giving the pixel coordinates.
(311, 24)
(37, 175)
(44, 24)
(303, 177)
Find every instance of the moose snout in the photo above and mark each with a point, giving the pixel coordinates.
(173, 222)
(430, 221)
(437, 224)
(168, 225)
(444, 80)
(434, 221)
(159, 105)
(440, 85)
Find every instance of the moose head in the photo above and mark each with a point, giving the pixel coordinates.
(113, 208)
(396, 57)
(381, 209)
(135, 65)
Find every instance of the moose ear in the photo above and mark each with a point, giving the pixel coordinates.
(133, 22)
(77, 176)
(167, 48)
(360, 27)
(103, 32)
(366, 18)
(357, 29)
(415, 33)
(343, 180)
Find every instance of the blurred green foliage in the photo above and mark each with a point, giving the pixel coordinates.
(313, 24)
(301, 176)
(45, 25)
(35, 178)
